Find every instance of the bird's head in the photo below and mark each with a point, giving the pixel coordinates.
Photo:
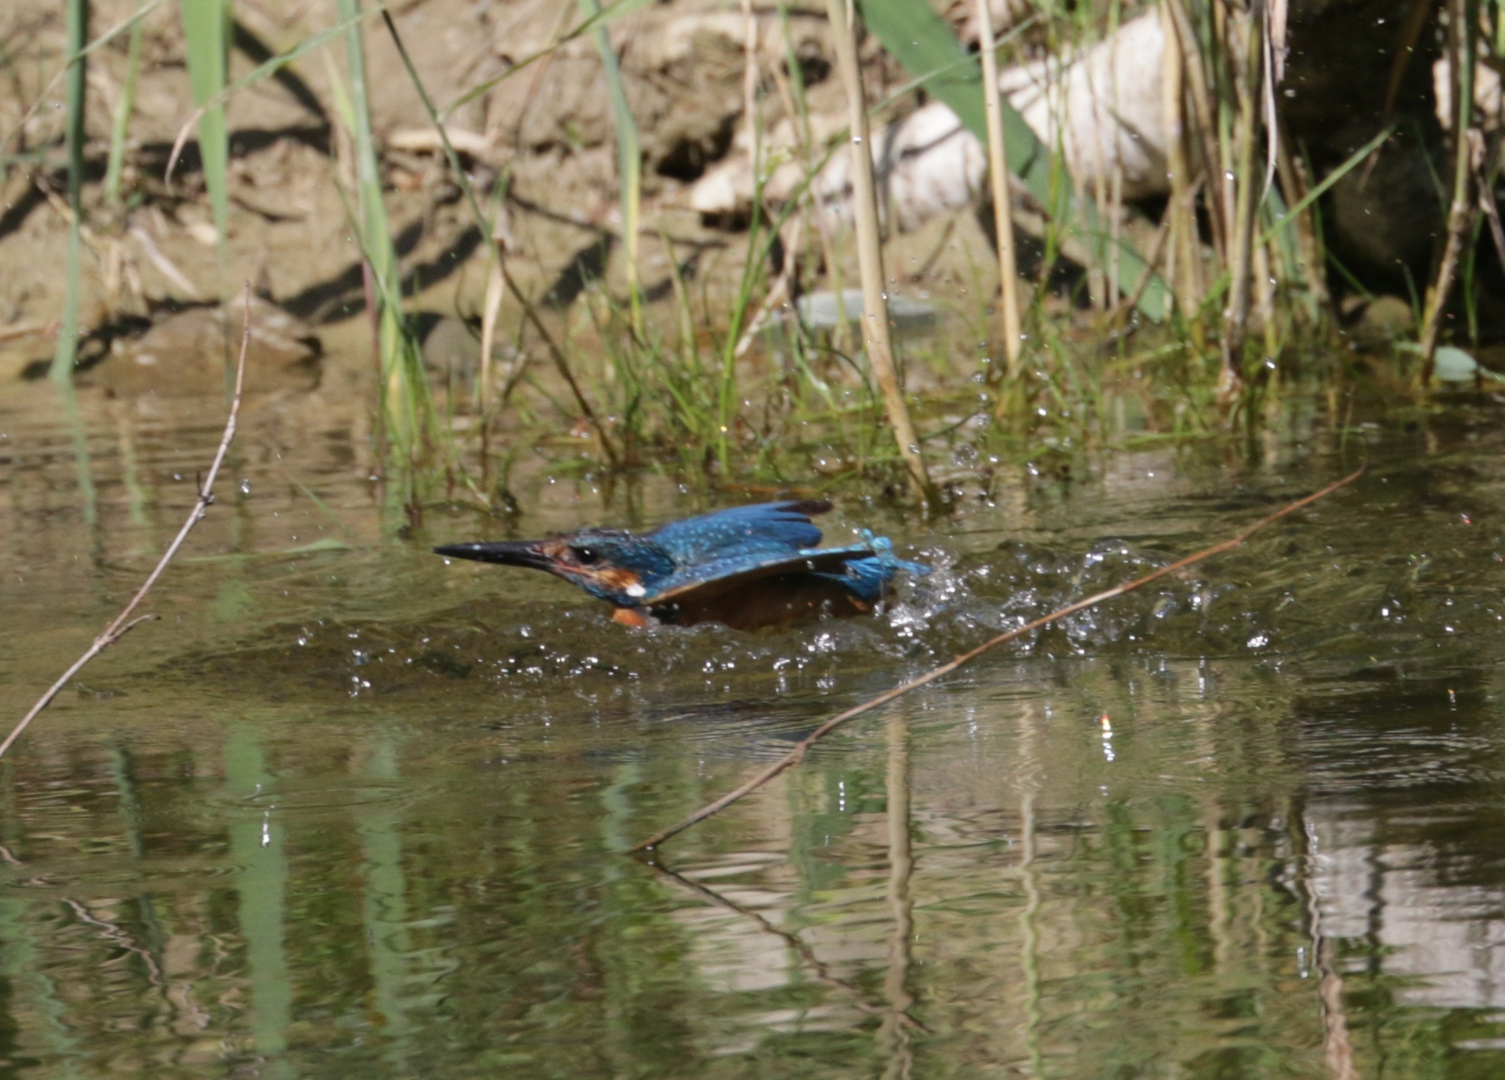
(610, 564)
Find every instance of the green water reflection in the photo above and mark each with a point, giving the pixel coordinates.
(369, 818)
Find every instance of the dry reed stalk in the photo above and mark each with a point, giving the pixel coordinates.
(561, 364)
(30, 329)
(501, 241)
(1491, 210)
(1115, 230)
(795, 756)
(1244, 38)
(1180, 214)
(800, 120)
(1158, 250)
(123, 622)
(1296, 184)
(781, 290)
(1462, 23)
(750, 90)
(1222, 81)
(1264, 296)
(490, 311)
(875, 330)
(1204, 125)
(998, 176)
(556, 37)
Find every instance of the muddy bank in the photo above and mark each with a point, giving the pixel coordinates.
(543, 137)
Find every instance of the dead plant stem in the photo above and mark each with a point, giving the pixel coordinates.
(998, 176)
(875, 331)
(795, 756)
(1461, 211)
(1244, 30)
(561, 364)
(1295, 182)
(1180, 211)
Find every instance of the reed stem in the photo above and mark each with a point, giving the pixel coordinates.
(875, 330)
(998, 175)
(76, 31)
(1463, 21)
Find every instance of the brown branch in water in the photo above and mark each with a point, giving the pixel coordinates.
(123, 622)
(795, 756)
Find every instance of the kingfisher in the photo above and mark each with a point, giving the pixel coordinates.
(747, 567)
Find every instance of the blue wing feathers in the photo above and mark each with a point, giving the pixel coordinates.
(765, 529)
(743, 539)
(831, 563)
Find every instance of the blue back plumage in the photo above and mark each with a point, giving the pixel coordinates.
(748, 541)
(764, 529)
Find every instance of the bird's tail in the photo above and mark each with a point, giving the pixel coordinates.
(871, 578)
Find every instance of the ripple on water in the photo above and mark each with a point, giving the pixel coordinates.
(307, 796)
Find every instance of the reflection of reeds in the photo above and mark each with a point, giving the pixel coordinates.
(123, 622)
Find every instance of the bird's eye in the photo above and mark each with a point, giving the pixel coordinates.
(586, 556)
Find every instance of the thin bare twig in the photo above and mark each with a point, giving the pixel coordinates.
(123, 622)
(561, 364)
(795, 756)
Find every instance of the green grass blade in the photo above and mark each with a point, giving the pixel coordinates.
(407, 406)
(268, 68)
(120, 128)
(205, 25)
(1327, 182)
(77, 31)
(629, 159)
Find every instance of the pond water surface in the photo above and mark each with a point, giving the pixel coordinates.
(349, 810)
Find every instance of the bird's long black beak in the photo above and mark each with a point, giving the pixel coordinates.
(506, 552)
